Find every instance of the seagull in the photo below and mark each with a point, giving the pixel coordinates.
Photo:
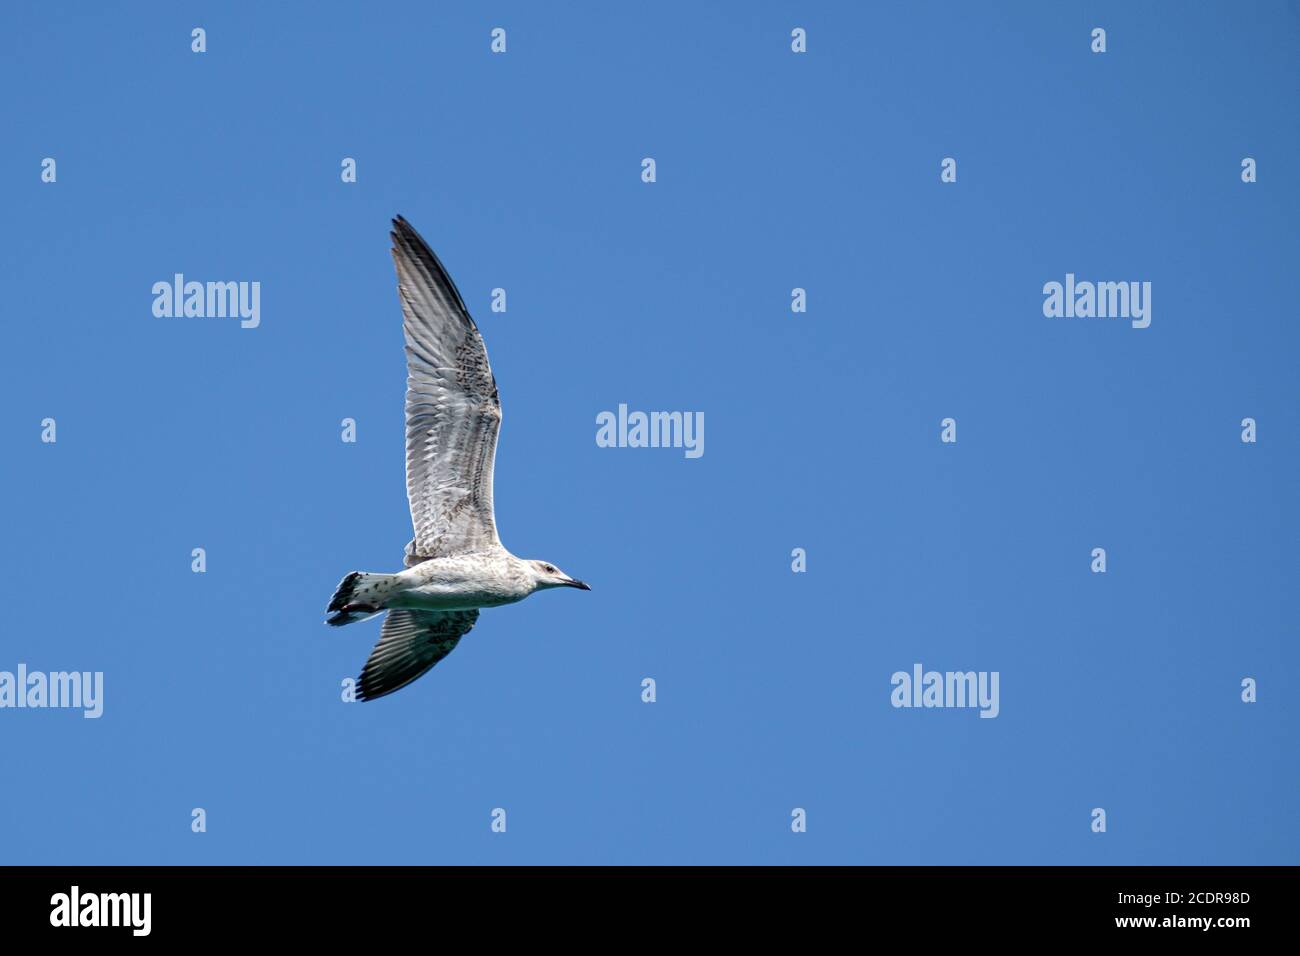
(455, 564)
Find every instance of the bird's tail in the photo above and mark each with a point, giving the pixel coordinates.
(360, 595)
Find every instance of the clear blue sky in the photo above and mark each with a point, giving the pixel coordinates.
(222, 690)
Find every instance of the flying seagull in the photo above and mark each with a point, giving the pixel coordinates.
(455, 564)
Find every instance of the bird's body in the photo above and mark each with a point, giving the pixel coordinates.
(461, 583)
(456, 564)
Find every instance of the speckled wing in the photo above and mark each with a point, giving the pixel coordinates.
(453, 412)
(411, 642)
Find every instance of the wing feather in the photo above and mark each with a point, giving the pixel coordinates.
(410, 643)
(453, 411)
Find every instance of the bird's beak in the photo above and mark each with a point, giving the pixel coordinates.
(575, 583)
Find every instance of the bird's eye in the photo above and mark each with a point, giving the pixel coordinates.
(551, 569)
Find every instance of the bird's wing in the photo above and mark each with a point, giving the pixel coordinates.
(453, 413)
(410, 642)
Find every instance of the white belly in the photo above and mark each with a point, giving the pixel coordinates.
(440, 597)
(458, 584)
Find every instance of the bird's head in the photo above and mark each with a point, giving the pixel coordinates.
(547, 575)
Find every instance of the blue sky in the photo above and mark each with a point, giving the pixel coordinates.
(774, 171)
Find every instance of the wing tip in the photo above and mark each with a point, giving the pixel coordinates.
(410, 250)
(401, 230)
(403, 233)
(410, 245)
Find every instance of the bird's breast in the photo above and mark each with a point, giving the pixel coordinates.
(449, 586)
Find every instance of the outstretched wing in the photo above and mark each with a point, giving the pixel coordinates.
(411, 642)
(453, 413)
